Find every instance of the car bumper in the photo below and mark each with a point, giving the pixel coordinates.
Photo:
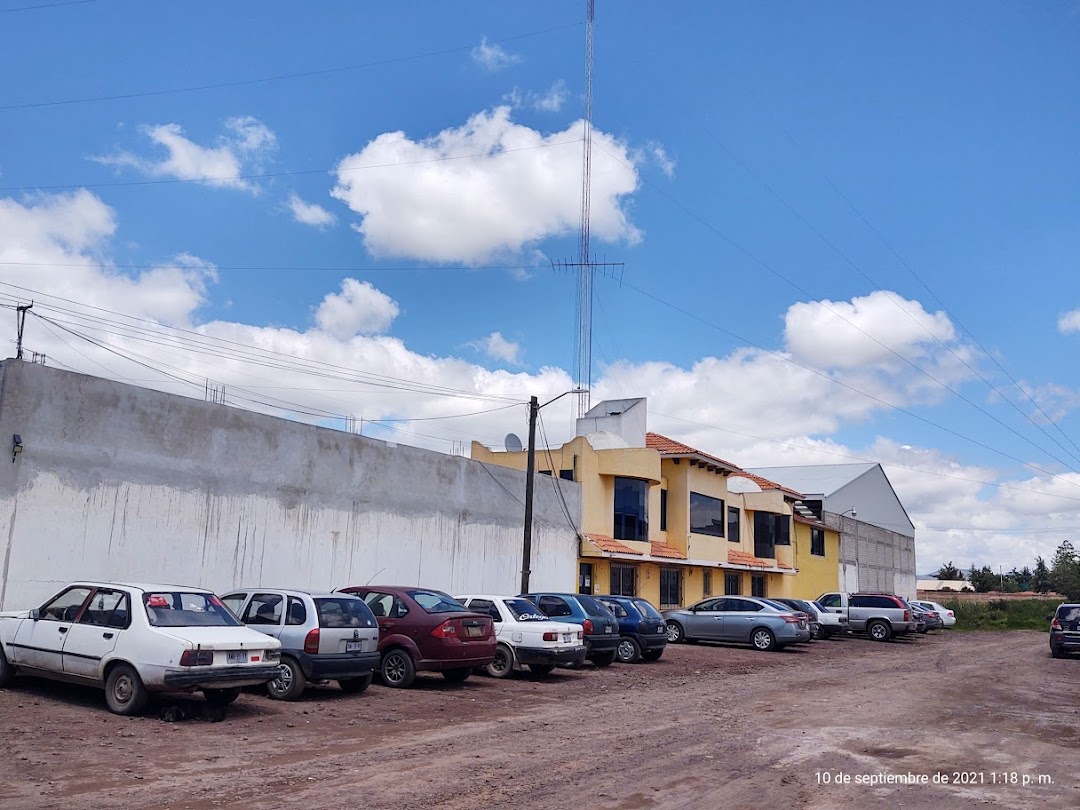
(333, 667)
(602, 644)
(795, 637)
(653, 641)
(220, 677)
(558, 656)
(1065, 643)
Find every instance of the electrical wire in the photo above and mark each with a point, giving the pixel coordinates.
(46, 5)
(282, 268)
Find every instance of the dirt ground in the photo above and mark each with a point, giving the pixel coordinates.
(706, 726)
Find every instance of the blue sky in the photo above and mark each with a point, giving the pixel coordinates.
(758, 169)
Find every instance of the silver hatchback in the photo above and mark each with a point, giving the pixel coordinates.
(738, 618)
(324, 637)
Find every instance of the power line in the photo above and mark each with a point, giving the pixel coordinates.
(280, 268)
(46, 5)
(172, 181)
(280, 76)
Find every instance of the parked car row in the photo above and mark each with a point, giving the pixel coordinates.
(133, 640)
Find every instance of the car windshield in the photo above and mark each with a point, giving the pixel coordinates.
(819, 606)
(437, 602)
(593, 607)
(187, 609)
(777, 605)
(647, 610)
(525, 611)
(344, 612)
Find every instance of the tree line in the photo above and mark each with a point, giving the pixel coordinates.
(1062, 575)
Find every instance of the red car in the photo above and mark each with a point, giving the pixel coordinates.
(422, 629)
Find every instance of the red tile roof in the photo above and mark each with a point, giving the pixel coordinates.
(611, 545)
(670, 447)
(746, 558)
(664, 550)
(765, 483)
(784, 565)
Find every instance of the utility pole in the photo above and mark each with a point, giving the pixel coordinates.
(20, 320)
(530, 470)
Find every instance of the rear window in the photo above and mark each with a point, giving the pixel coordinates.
(187, 609)
(343, 612)
(524, 610)
(1068, 613)
(436, 602)
(646, 609)
(594, 608)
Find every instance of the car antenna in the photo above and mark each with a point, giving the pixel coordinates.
(375, 575)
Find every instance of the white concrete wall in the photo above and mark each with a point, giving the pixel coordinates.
(117, 482)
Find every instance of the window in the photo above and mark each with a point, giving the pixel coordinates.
(782, 529)
(566, 475)
(706, 583)
(733, 519)
(65, 607)
(384, 605)
(741, 605)
(524, 610)
(757, 585)
(830, 600)
(670, 588)
(341, 611)
(631, 509)
(732, 584)
(646, 609)
(187, 609)
(619, 611)
(875, 602)
(817, 541)
(234, 601)
(706, 515)
(622, 580)
(264, 608)
(593, 607)
(108, 608)
(297, 613)
(663, 510)
(585, 579)
(435, 602)
(488, 608)
(554, 607)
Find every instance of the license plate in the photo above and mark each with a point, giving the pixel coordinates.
(566, 637)
(354, 646)
(474, 632)
(608, 629)
(237, 656)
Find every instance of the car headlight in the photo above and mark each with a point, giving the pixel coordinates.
(272, 656)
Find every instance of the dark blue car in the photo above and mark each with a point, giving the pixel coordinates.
(642, 630)
(598, 624)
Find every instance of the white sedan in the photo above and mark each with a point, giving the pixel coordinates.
(947, 616)
(526, 637)
(132, 640)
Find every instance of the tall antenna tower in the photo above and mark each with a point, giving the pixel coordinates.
(583, 368)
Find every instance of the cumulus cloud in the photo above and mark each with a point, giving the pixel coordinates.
(492, 57)
(1069, 322)
(358, 309)
(309, 213)
(488, 187)
(552, 100)
(662, 158)
(497, 347)
(245, 143)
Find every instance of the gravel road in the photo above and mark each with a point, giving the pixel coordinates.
(706, 726)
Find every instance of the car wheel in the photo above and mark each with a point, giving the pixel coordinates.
(542, 669)
(628, 651)
(503, 664)
(457, 675)
(354, 686)
(7, 671)
(397, 669)
(124, 691)
(817, 633)
(221, 697)
(652, 655)
(1056, 652)
(675, 633)
(763, 640)
(602, 660)
(290, 682)
(879, 631)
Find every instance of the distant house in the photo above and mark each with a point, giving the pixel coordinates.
(944, 585)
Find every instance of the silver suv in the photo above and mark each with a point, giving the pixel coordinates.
(324, 636)
(880, 615)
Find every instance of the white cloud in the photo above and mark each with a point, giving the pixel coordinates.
(358, 309)
(488, 187)
(550, 101)
(497, 347)
(663, 159)
(493, 57)
(245, 144)
(310, 213)
(1069, 322)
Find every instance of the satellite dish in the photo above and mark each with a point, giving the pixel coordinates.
(512, 443)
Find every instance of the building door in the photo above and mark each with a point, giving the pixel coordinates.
(670, 588)
(585, 578)
(757, 585)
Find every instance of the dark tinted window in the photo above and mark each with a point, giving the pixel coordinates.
(663, 510)
(707, 515)
(623, 579)
(741, 605)
(566, 475)
(710, 604)
(733, 584)
(670, 588)
(830, 600)
(297, 612)
(616, 608)
(487, 607)
(631, 509)
(646, 609)
(593, 607)
(343, 612)
(554, 606)
(817, 541)
(733, 521)
(436, 602)
(873, 601)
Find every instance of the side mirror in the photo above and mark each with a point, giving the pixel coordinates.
(35, 614)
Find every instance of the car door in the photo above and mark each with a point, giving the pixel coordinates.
(386, 607)
(739, 618)
(265, 612)
(106, 617)
(39, 642)
(706, 619)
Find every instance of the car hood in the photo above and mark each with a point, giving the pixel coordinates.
(14, 614)
(222, 638)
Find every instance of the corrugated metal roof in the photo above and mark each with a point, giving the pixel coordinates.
(815, 479)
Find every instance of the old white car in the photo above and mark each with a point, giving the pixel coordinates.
(136, 639)
(526, 637)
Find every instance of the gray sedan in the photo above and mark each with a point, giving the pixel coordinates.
(737, 618)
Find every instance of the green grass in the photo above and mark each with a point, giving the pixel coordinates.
(1003, 614)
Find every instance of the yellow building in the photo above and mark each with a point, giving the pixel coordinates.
(672, 524)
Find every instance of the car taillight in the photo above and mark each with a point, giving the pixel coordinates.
(196, 658)
(950, 614)
(1055, 624)
(311, 642)
(580, 635)
(790, 618)
(907, 615)
(586, 627)
(551, 636)
(444, 630)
